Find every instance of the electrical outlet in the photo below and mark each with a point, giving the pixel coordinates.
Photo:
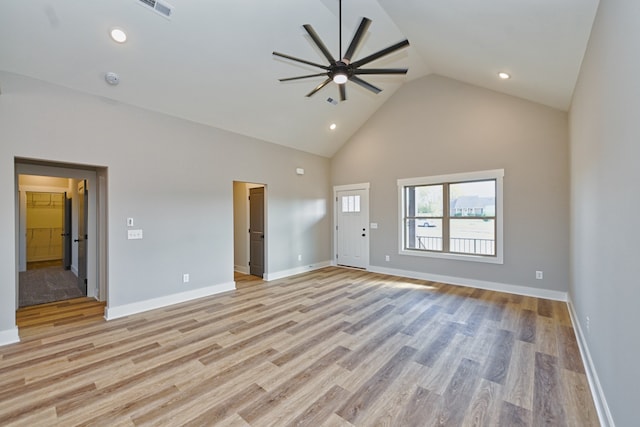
(185, 278)
(539, 275)
(299, 257)
(588, 325)
(387, 258)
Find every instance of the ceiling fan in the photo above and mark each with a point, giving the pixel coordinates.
(343, 70)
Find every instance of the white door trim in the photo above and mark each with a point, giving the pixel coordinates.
(336, 189)
(97, 250)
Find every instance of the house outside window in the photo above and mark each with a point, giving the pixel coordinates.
(456, 216)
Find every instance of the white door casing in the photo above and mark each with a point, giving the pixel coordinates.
(97, 250)
(352, 225)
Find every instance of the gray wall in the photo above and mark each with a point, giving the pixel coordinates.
(174, 177)
(605, 150)
(435, 126)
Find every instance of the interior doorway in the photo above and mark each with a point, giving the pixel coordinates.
(58, 207)
(250, 220)
(46, 224)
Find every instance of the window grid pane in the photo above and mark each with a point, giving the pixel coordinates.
(472, 236)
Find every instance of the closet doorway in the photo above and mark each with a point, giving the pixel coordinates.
(60, 233)
(46, 257)
(250, 237)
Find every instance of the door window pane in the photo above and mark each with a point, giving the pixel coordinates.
(351, 203)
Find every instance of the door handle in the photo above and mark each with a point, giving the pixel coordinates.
(77, 240)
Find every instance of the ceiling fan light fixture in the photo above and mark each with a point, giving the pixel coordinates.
(340, 78)
(343, 69)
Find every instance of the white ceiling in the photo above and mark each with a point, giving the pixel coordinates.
(212, 63)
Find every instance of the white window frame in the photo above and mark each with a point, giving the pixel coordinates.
(497, 174)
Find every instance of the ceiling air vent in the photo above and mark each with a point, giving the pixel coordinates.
(161, 8)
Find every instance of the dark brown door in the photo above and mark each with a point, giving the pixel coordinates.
(66, 233)
(83, 208)
(256, 231)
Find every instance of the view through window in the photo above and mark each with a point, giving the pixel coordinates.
(457, 215)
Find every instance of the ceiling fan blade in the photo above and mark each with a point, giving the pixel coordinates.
(357, 38)
(318, 42)
(343, 91)
(365, 85)
(320, 86)
(288, 79)
(380, 53)
(293, 58)
(381, 71)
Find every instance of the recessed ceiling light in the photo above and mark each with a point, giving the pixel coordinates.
(118, 35)
(504, 76)
(332, 126)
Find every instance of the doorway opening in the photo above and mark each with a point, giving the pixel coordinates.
(61, 237)
(46, 256)
(249, 225)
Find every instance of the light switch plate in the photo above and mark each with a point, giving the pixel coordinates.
(134, 234)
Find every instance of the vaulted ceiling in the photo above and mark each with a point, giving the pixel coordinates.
(211, 62)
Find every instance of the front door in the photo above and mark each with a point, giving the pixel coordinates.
(352, 215)
(256, 231)
(83, 211)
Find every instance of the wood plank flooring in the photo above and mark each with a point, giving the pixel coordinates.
(73, 312)
(333, 347)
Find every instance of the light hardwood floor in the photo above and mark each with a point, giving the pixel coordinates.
(334, 347)
(52, 317)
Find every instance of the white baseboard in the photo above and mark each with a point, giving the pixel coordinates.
(473, 283)
(293, 271)
(9, 336)
(604, 414)
(241, 269)
(111, 313)
(74, 270)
